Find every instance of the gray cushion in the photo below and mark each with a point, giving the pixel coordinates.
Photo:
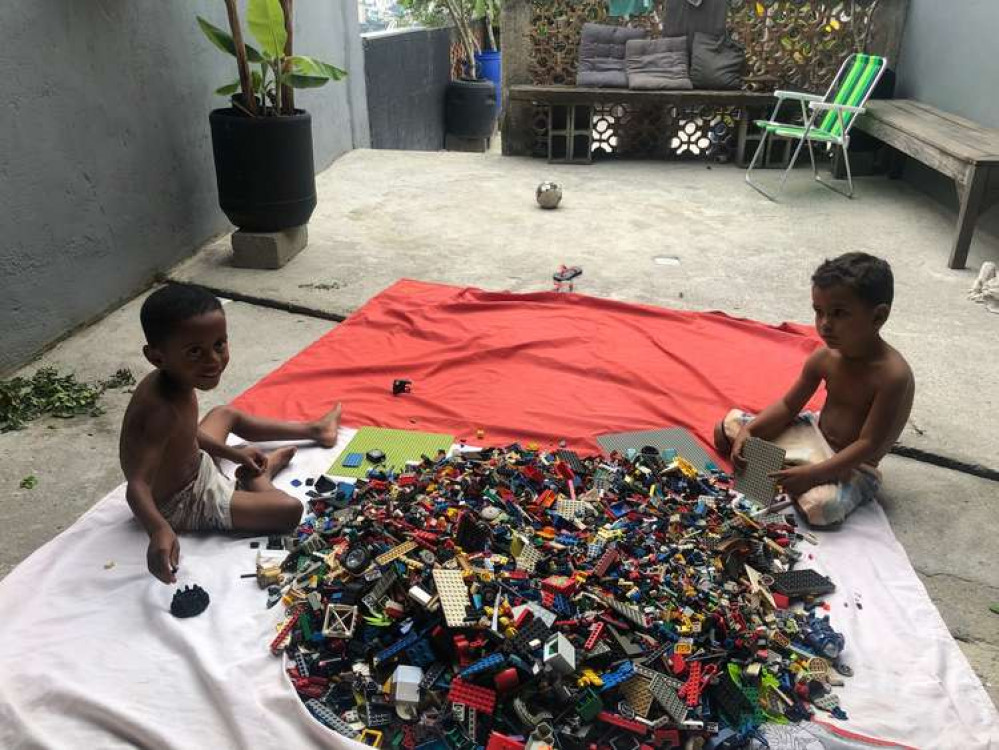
(716, 62)
(601, 55)
(657, 63)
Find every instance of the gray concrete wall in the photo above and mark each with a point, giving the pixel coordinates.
(948, 60)
(406, 76)
(106, 173)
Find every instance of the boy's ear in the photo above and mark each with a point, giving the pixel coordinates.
(881, 314)
(153, 355)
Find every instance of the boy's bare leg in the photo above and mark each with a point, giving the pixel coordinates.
(261, 506)
(222, 420)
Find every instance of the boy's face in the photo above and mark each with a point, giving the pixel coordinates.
(196, 353)
(844, 321)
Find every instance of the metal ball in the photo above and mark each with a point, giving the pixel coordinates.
(548, 194)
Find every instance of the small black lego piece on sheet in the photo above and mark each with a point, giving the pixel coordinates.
(189, 601)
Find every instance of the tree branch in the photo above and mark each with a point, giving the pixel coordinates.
(245, 82)
(287, 92)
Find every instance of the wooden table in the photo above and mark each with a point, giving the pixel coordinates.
(961, 149)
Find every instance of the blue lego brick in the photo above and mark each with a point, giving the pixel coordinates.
(353, 460)
(420, 653)
(619, 675)
(397, 648)
(483, 665)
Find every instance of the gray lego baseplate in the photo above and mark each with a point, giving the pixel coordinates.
(762, 459)
(678, 438)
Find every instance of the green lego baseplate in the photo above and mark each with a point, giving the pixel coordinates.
(399, 446)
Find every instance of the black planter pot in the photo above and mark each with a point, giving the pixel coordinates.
(471, 108)
(264, 169)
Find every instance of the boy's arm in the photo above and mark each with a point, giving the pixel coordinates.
(873, 435)
(217, 449)
(249, 456)
(163, 553)
(769, 423)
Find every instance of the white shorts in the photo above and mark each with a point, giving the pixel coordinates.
(204, 504)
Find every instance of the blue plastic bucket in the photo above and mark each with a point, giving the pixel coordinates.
(491, 68)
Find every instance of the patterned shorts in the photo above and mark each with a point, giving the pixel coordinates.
(826, 504)
(204, 504)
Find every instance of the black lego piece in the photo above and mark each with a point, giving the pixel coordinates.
(189, 601)
(571, 458)
(472, 534)
(401, 386)
(798, 583)
(324, 484)
(535, 630)
(375, 456)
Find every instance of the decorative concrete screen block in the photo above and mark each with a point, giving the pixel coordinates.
(268, 250)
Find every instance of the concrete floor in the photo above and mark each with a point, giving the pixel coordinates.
(471, 219)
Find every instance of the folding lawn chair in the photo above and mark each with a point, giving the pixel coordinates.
(840, 106)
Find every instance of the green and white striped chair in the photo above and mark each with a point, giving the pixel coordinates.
(840, 106)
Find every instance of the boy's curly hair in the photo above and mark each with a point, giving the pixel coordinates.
(170, 305)
(870, 278)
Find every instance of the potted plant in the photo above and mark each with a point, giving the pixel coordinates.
(262, 143)
(472, 99)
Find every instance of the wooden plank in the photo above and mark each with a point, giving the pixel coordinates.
(981, 143)
(917, 148)
(587, 95)
(972, 196)
(952, 135)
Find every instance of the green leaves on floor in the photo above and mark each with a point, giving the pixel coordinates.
(48, 392)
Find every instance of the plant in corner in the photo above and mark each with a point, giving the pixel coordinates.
(472, 100)
(261, 143)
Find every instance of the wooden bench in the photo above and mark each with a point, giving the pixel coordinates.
(568, 98)
(963, 150)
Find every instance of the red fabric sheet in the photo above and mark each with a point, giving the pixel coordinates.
(533, 367)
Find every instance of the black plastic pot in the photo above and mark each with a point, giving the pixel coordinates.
(471, 108)
(264, 169)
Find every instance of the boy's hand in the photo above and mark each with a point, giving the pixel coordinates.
(163, 554)
(796, 480)
(740, 439)
(253, 459)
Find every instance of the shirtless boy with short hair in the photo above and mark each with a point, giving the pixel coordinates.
(869, 389)
(169, 459)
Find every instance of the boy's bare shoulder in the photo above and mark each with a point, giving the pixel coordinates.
(150, 408)
(895, 370)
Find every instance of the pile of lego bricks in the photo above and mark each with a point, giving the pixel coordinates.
(510, 598)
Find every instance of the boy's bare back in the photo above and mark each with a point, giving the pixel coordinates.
(161, 425)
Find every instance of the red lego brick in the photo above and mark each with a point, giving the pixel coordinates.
(619, 721)
(596, 630)
(277, 645)
(479, 698)
(691, 689)
(604, 563)
(667, 737)
(547, 498)
(499, 741)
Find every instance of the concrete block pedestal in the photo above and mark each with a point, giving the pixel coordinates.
(268, 250)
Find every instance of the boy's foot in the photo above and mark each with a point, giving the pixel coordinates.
(326, 427)
(722, 444)
(277, 461)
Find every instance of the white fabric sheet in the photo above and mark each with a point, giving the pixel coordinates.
(92, 658)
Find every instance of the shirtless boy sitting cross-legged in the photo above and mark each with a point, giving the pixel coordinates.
(170, 460)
